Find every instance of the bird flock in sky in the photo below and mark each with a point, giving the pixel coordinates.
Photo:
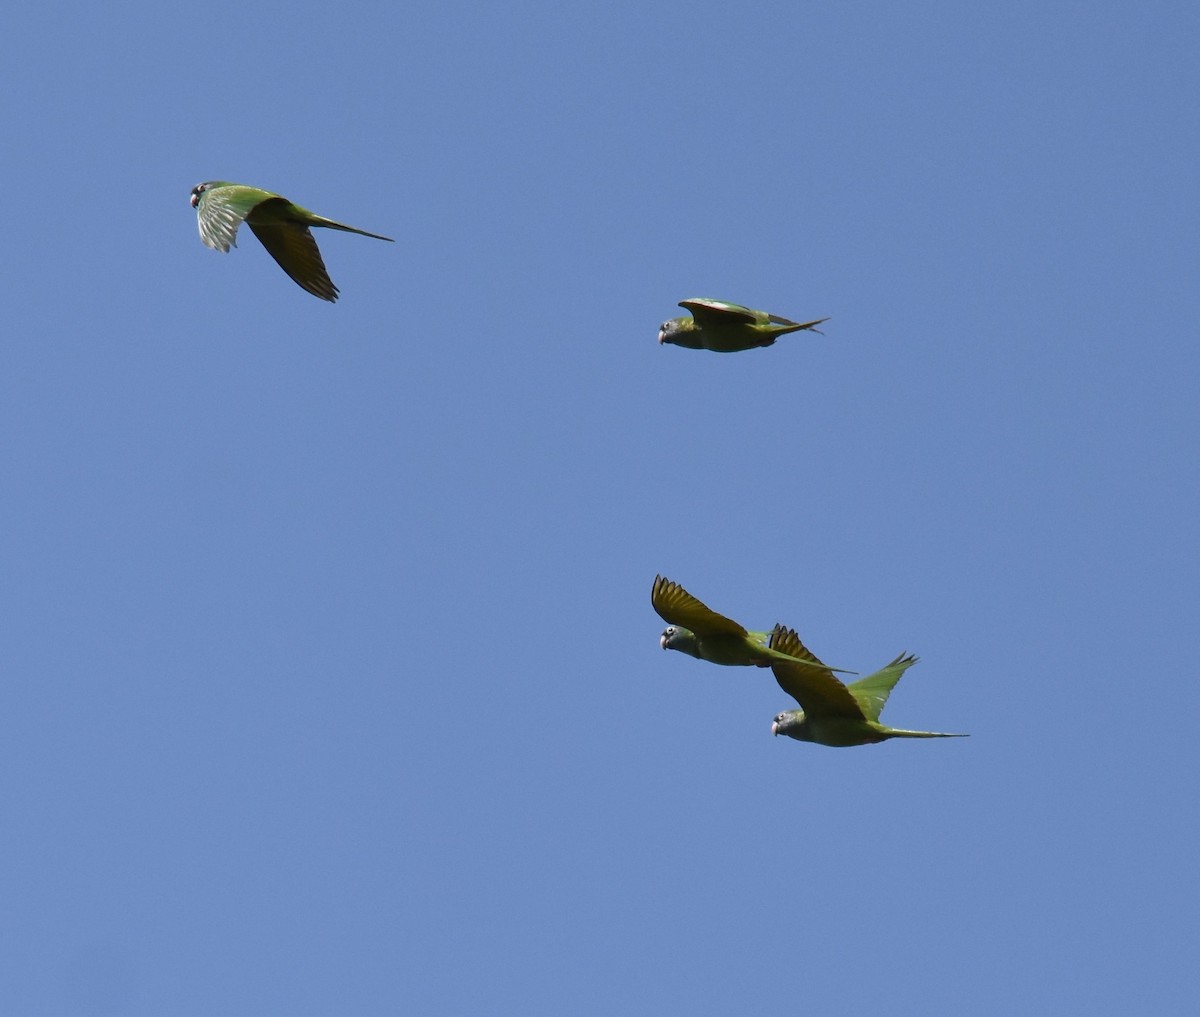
(831, 712)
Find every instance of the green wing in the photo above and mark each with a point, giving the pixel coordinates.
(676, 606)
(717, 312)
(709, 313)
(872, 691)
(811, 684)
(222, 209)
(293, 247)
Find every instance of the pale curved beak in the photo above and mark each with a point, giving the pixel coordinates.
(775, 728)
(662, 337)
(662, 640)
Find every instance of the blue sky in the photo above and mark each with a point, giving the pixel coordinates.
(330, 678)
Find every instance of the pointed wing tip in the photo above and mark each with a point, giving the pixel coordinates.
(321, 288)
(662, 590)
(314, 287)
(810, 326)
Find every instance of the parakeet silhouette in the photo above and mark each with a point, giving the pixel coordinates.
(696, 629)
(727, 328)
(832, 713)
(281, 226)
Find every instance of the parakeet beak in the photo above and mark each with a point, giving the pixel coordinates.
(775, 728)
(662, 640)
(662, 336)
(195, 199)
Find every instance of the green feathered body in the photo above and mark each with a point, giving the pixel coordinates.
(282, 226)
(727, 328)
(833, 713)
(729, 650)
(843, 732)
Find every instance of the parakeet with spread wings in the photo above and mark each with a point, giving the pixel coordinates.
(281, 226)
(832, 713)
(696, 629)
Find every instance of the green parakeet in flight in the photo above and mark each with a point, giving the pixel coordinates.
(727, 328)
(282, 228)
(833, 713)
(699, 631)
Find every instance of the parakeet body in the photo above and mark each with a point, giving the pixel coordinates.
(727, 328)
(281, 226)
(833, 713)
(696, 629)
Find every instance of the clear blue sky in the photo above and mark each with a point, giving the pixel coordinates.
(330, 682)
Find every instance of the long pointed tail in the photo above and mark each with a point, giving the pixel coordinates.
(897, 732)
(320, 220)
(796, 326)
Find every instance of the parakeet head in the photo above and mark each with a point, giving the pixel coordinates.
(675, 637)
(669, 330)
(680, 332)
(790, 723)
(199, 189)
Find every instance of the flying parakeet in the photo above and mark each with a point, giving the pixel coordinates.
(726, 328)
(282, 228)
(833, 713)
(711, 636)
